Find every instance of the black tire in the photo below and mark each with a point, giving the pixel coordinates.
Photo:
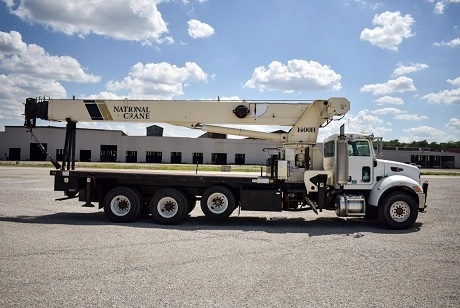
(71, 194)
(218, 202)
(122, 204)
(398, 211)
(169, 206)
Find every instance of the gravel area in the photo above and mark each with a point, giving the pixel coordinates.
(59, 254)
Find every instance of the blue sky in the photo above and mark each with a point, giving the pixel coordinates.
(397, 62)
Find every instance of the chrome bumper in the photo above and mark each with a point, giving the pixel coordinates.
(422, 197)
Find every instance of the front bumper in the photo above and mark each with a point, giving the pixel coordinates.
(422, 198)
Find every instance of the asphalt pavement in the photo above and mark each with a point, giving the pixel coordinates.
(59, 254)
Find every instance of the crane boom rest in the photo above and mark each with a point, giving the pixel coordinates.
(298, 177)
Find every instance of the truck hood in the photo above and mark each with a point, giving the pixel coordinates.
(387, 167)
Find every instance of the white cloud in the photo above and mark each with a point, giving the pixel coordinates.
(11, 43)
(399, 114)
(372, 6)
(440, 6)
(158, 80)
(451, 43)
(454, 123)
(18, 87)
(104, 95)
(410, 117)
(455, 82)
(363, 122)
(33, 72)
(20, 58)
(296, 76)
(400, 85)
(198, 29)
(391, 28)
(385, 111)
(130, 20)
(413, 67)
(446, 96)
(424, 133)
(389, 100)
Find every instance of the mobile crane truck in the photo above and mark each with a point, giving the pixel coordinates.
(346, 177)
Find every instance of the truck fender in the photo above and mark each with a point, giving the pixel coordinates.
(387, 183)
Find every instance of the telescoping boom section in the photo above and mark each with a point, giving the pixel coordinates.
(344, 175)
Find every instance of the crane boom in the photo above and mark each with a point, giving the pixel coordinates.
(304, 117)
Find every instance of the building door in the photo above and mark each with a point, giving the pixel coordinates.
(198, 158)
(131, 156)
(108, 153)
(36, 154)
(14, 154)
(85, 155)
(153, 157)
(59, 154)
(176, 157)
(219, 158)
(240, 159)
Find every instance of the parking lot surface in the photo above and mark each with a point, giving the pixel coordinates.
(59, 254)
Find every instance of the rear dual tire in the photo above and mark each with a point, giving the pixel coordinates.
(169, 206)
(218, 202)
(122, 204)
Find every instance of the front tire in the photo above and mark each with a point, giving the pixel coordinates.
(169, 206)
(122, 204)
(399, 211)
(218, 202)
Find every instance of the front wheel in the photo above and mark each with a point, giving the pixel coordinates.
(398, 211)
(122, 204)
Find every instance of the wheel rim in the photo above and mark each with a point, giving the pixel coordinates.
(400, 211)
(167, 207)
(120, 205)
(217, 203)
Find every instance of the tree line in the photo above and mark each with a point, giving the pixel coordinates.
(433, 146)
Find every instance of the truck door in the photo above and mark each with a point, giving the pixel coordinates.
(360, 162)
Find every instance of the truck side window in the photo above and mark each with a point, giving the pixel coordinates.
(358, 148)
(329, 148)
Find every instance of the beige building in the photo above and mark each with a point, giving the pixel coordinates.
(115, 146)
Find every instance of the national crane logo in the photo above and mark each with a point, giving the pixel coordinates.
(98, 111)
(133, 112)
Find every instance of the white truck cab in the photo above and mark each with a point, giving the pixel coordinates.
(366, 185)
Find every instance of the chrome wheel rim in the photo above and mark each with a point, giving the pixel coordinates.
(167, 207)
(217, 203)
(120, 205)
(400, 211)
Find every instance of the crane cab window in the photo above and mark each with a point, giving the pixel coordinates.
(359, 148)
